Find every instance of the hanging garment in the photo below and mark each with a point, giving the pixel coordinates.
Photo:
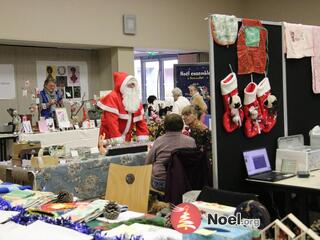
(224, 29)
(315, 60)
(252, 47)
(298, 40)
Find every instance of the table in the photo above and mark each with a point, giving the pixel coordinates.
(86, 179)
(3, 145)
(302, 187)
(70, 138)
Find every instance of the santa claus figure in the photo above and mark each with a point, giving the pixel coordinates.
(123, 110)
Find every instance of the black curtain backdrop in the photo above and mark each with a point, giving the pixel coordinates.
(230, 146)
(303, 104)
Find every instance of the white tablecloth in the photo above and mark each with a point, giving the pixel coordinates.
(71, 138)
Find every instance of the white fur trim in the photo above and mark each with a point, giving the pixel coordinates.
(125, 81)
(263, 87)
(126, 130)
(113, 110)
(107, 108)
(250, 97)
(143, 138)
(124, 116)
(228, 86)
(138, 118)
(117, 139)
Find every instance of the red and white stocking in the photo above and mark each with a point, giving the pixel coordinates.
(268, 105)
(233, 115)
(253, 124)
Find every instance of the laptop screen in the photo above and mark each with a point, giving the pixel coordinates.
(256, 161)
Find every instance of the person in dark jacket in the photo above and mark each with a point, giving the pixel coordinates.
(160, 152)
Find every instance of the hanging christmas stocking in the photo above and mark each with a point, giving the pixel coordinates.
(268, 105)
(233, 115)
(253, 124)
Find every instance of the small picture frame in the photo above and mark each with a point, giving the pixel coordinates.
(129, 24)
(27, 128)
(50, 124)
(62, 118)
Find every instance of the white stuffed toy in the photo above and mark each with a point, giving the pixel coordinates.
(235, 105)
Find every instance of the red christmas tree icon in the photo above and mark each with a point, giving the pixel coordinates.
(185, 218)
(185, 221)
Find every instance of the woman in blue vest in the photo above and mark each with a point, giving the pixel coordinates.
(50, 98)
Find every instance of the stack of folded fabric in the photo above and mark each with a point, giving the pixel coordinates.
(6, 187)
(90, 211)
(28, 198)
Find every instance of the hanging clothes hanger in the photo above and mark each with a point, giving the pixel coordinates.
(230, 68)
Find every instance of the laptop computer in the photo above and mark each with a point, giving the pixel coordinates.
(258, 166)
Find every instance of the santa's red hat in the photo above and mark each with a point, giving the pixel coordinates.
(121, 79)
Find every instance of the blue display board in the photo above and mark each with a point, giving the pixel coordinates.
(198, 74)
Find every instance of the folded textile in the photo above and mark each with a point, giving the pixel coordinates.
(298, 40)
(315, 60)
(6, 187)
(224, 29)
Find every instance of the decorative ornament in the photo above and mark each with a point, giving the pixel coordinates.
(64, 197)
(167, 221)
(111, 210)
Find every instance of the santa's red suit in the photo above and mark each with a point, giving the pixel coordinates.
(116, 121)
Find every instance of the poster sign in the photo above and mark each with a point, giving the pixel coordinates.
(7, 82)
(193, 74)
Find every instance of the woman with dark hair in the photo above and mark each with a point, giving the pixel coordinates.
(197, 129)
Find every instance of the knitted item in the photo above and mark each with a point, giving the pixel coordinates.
(65, 197)
(111, 210)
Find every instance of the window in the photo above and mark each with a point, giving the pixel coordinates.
(155, 75)
(168, 78)
(137, 73)
(152, 76)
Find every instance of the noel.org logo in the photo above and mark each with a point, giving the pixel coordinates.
(185, 218)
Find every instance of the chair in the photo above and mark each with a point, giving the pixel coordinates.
(129, 185)
(224, 197)
(187, 170)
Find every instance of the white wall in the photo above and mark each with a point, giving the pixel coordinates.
(165, 24)
(24, 60)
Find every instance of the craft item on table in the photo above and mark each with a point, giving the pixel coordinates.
(17, 195)
(252, 47)
(124, 216)
(219, 232)
(224, 29)
(111, 210)
(6, 215)
(36, 199)
(146, 232)
(6, 187)
(214, 208)
(57, 209)
(64, 197)
(62, 118)
(50, 123)
(27, 128)
(43, 127)
(87, 213)
(16, 119)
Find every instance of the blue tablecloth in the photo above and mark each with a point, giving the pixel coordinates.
(85, 179)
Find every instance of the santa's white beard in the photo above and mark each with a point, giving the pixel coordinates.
(131, 100)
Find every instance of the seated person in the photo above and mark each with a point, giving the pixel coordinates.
(160, 153)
